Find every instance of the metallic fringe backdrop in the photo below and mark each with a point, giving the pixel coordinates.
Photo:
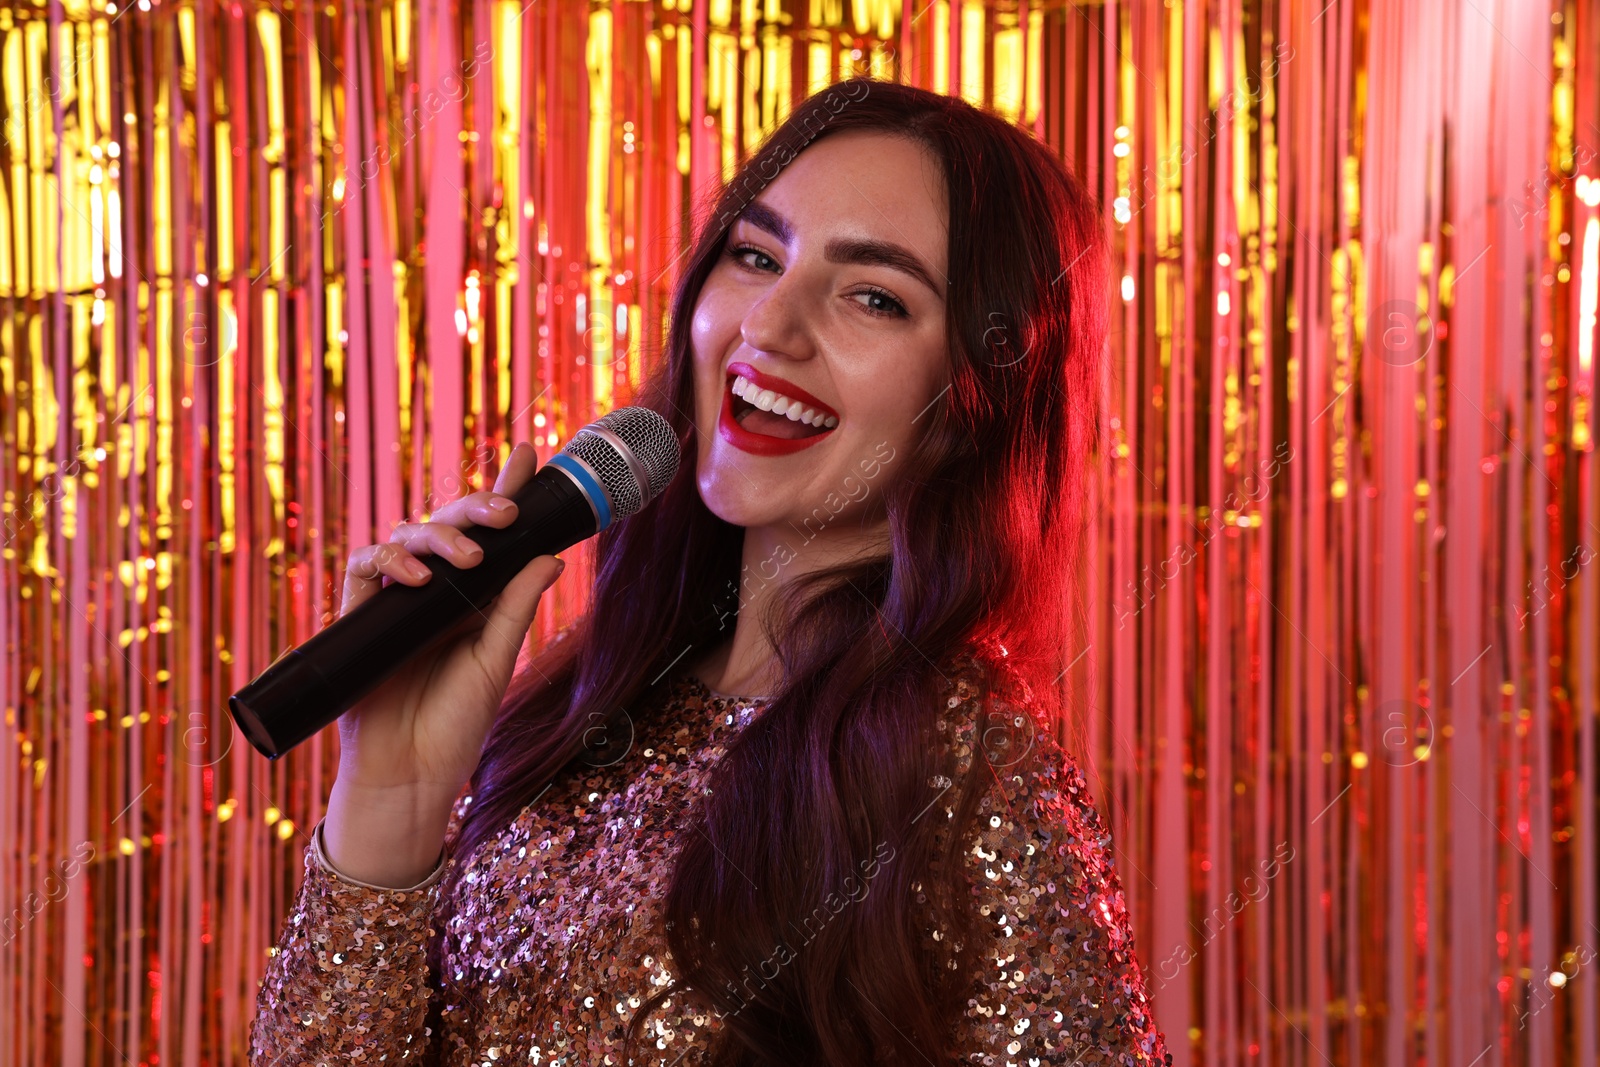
(276, 276)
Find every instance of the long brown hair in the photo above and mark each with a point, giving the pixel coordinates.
(986, 516)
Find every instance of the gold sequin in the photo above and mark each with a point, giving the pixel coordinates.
(555, 939)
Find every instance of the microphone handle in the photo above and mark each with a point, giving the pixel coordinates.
(311, 685)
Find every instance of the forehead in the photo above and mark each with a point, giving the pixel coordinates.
(865, 184)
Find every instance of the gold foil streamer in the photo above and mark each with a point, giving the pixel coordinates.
(1340, 682)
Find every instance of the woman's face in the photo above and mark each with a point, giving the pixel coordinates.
(827, 303)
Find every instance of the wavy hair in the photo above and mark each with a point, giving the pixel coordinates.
(987, 522)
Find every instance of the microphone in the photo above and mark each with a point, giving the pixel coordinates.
(609, 470)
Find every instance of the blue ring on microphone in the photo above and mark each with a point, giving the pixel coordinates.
(588, 484)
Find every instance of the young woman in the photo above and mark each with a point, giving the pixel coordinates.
(789, 792)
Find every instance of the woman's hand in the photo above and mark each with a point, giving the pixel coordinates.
(408, 748)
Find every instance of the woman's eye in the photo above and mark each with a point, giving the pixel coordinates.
(877, 301)
(738, 253)
(884, 303)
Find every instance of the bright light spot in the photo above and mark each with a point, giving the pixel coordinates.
(1127, 288)
(1589, 290)
(1223, 302)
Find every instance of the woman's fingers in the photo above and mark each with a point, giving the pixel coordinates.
(398, 558)
(492, 507)
(364, 573)
(476, 509)
(445, 535)
(438, 539)
(521, 465)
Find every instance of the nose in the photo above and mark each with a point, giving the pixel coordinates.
(780, 321)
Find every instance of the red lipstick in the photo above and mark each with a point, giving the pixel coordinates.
(761, 444)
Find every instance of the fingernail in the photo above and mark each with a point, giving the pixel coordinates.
(500, 503)
(417, 569)
(561, 565)
(467, 545)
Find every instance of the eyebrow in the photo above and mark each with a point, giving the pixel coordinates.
(844, 249)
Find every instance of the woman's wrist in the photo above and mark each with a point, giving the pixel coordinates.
(388, 837)
(321, 852)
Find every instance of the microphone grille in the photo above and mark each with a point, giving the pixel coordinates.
(624, 445)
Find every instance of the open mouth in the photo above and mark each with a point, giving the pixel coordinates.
(767, 416)
(774, 414)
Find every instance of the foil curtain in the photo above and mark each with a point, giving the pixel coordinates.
(276, 276)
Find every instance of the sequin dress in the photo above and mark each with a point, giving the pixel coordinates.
(555, 940)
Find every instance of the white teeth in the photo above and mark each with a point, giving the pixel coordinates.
(778, 404)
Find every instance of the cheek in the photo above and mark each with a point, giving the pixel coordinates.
(712, 332)
(702, 325)
(717, 313)
(919, 386)
(707, 350)
(707, 406)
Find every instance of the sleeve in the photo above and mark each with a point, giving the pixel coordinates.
(1055, 976)
(348, 981)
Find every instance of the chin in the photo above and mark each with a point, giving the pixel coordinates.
(739, 504)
